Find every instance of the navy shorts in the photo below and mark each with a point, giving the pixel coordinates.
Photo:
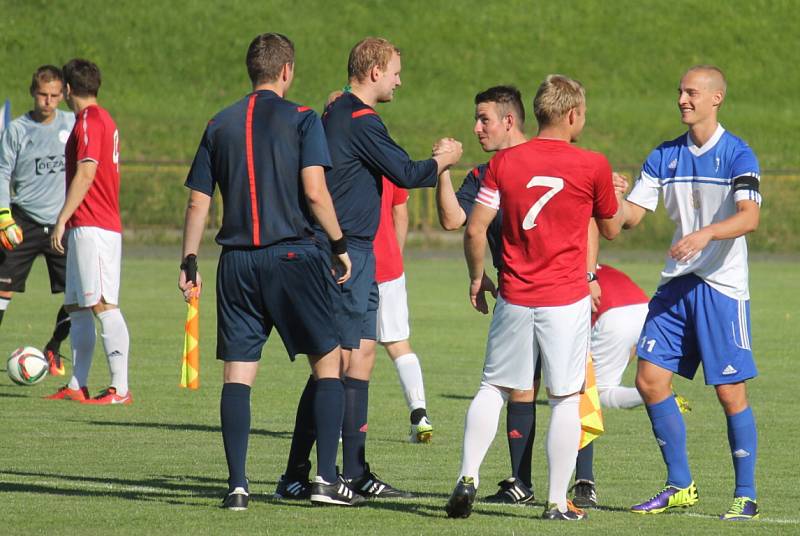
(690, 322)
(355, 303)
(15, 264)
(284, 286)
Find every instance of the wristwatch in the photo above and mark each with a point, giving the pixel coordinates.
(591, 276)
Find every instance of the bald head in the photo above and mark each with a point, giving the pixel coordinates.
(711, 76)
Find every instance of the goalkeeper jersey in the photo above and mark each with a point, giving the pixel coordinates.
(32, 165)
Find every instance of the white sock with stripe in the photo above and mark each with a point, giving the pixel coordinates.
(563, 437)
(480, 428)
(410, 373)
(620, 397)
(116, 343)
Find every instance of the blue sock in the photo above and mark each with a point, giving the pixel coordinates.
(670, 432)
(743, 439)
(328, 413)
(583, 464)
(234, 411)
(354, 427)
(520, 430)
(304, 435)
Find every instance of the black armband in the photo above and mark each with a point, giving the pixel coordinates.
(746, 182)
(339, 247)
(189, 265)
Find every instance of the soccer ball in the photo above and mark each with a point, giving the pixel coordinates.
(26, 366)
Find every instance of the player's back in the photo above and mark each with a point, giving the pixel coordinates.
(548, 190)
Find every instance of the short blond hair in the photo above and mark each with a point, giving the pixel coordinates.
(556, 96)
(715, 74)
(368, 53)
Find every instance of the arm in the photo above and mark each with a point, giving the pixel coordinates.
(194, 224)
(81, 182)
(611, 227)
(474, 251)
(451, 215)
(744, 221)
(400, 219)
(592, 250)
(321, 206)
(633, 214)
(8, 161)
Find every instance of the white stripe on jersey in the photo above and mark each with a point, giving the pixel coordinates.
(489, 197)
(85, 128)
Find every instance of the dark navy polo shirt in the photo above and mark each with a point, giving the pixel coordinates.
(253, 151)
(362, 152)
(466, 195)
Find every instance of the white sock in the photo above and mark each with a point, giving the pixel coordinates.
(480, 427)
(410, 374)
(116, 343)
(82, 338)
(563, 437)
(620, 397)
(4, 302)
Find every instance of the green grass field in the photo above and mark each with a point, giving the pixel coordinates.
(158, 466)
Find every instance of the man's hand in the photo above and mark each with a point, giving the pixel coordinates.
(596, 292)
(620, 182)
(690, 245)
(57, 237)
(477, 293)
(188, 288)
(341, 267)
(10, 232)
(447, 152)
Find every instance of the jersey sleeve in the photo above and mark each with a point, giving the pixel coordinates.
(746, 175)
(201, 175)
(313, 145)
(468, 191)
(489, 192)
(380, 152)
(647, 187)
(605, 201)
(9, 146)
(90, 137)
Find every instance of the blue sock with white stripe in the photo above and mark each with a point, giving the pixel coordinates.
(670, 432)
(743, 439)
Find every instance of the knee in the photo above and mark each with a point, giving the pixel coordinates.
(732, 398)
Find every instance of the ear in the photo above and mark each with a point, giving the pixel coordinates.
(286, 72)
(717, 97)
(509, 121)
(572, 115)
(375, 73)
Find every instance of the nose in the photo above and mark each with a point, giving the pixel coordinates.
(478, 128)
(683, 98)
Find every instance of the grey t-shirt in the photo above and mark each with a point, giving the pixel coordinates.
(32, 165)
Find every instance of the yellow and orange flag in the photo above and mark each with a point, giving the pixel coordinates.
(190, 363)
(591, 414)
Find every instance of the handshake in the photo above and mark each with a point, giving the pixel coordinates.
(10, 232)
(447, 152)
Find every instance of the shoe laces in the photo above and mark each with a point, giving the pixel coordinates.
(738, 505)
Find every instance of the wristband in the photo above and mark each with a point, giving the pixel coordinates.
(189, 265)
(339, 247)
(591, 276)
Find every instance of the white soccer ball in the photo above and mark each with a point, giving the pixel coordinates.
(26, 366)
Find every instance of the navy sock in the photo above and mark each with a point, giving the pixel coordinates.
(670, 432)
(520, 431)
(743, 439)
(583, 464)
(304, 435)
(234, 411)
(328, 412)
(60, 331)
(354, 427)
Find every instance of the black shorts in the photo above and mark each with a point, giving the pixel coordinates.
(282, 286)
(15, 264)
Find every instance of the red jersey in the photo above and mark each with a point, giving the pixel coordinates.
(388, 258)
(618, 290)
(95, 137)
(547, 190)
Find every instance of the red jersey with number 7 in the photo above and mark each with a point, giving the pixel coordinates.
(547, 190)
(95, 138)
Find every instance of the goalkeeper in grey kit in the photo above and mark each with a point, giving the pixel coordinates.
(32, 189)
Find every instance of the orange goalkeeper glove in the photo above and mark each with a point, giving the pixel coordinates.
(10, 232)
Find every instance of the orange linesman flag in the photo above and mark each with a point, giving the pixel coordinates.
(190, 364)
(590, 412)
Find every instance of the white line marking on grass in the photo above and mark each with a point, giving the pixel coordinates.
(98, 485)
(776, 520)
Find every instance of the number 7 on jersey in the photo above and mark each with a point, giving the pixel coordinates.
(556, 184)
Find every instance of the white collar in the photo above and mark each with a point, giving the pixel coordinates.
(707, 146)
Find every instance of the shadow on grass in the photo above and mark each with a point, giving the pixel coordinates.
(12, 395)
(185, 427)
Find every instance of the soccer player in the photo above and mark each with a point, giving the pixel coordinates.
(709, 179)
(267, 156)
(548, 191)
(91, 220)
(393, 329)
(362, 152)
(31, 194)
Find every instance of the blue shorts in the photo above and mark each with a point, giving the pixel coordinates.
(689, 322)
(283, 286)
(355, 303)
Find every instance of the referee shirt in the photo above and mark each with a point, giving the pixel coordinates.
(254, 151)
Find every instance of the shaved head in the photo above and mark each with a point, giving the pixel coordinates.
(713, 77)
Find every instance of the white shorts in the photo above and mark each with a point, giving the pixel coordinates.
(393, 311)
(614, 334)
(93, 266)
(519, 334)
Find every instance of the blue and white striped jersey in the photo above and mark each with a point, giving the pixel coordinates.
(701, 186)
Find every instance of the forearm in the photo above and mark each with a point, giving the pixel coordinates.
(611, 227)
(633, 214)
(321, 207)
(744, 221)
(451, 215)
(400, 219)
(474, 250)
(195, 222)
(592, 246)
